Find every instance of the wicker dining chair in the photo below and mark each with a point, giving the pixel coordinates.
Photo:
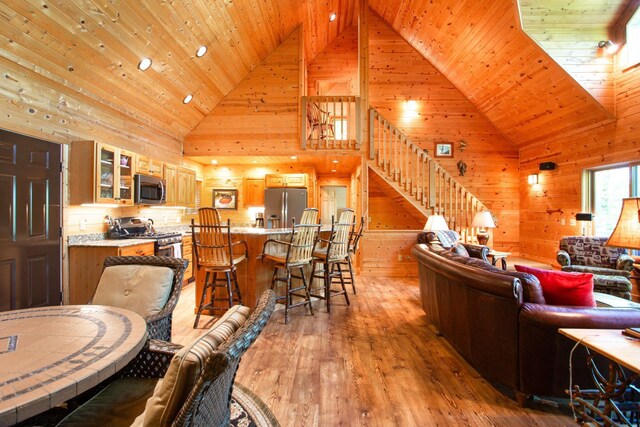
(107, 293)
(214, 254)
(197, 379)
(296, 254)
(331, 258)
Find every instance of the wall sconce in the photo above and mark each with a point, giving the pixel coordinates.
(609, 47)
(532, 179)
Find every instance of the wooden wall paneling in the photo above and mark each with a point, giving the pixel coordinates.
(398, 74)
(382, 250)
(560, 189)
(337, 63)
(480, 47)
(389, 210)
(259, 116)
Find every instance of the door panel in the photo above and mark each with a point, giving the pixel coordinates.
(30, 244)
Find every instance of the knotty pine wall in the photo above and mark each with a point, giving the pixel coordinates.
(618, 142)
(398, 73)
(261, 115)
(337, 63)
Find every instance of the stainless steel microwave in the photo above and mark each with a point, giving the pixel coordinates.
(149, 190)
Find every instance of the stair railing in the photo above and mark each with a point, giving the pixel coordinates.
(420, 178)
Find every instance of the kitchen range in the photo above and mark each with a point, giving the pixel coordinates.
(165, 244)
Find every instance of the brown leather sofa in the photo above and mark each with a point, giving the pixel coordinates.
(498, 321)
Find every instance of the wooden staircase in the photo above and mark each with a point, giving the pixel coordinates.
(419, 178)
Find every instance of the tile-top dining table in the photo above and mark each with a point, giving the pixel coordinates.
(51, 354)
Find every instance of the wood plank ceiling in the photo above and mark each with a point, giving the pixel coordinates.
(86, 53)
(480, 47)
(73, 63)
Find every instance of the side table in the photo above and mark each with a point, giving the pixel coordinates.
(497, 255)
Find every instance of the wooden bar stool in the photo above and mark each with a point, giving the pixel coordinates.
(296, 254)
(347, 263)
(213, 252)
(331, 258)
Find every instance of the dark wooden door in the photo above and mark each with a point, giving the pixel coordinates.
(30, 211)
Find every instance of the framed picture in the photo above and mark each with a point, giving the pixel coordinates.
(225, 199)
(444, 149)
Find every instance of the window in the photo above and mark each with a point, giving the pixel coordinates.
(633, 39)
(605, 189)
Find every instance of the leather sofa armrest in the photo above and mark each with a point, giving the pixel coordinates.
(563, 258)
(477, 251)
(553, 317)
(624, 262)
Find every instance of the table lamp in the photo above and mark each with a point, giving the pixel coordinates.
(436, 223)
(627, 231)
(483, 220)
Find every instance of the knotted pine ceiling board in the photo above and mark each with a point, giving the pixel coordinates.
(480, 48)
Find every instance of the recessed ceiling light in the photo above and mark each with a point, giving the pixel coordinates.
(214, 162)
(335, 161)
(293, 157)
(333, 170)
(144, 64)
(254, 161)
(201, 51)
(332, 16)
(187, 99)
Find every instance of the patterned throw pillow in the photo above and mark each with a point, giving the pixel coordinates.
(460, 250)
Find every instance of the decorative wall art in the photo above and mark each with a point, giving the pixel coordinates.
(444, 149)
(225, 199)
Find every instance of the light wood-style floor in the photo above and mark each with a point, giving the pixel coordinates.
(373, 363)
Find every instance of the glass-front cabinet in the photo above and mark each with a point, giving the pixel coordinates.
(114, 175)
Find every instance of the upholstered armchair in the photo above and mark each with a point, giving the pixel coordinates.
(450, 240)
(610, 266)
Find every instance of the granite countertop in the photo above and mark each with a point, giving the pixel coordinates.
(109, 243)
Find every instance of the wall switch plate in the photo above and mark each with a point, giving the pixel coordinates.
(83, 224)
(399, 257)
(562, 221)
(572, 221)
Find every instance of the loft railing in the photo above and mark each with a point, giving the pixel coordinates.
(409, 169)
(330, 122)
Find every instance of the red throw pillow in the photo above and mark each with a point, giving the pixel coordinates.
(564, 288)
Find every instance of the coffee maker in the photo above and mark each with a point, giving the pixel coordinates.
(259, 220)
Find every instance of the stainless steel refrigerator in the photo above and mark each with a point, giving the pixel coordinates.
(281, 205)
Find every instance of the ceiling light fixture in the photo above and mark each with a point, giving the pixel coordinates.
(214, 162)
(201, 51)
(293, 157)
(187, 99)
(333, 170)
(335, 161)
(332, 16)
(608, 46)
(144, 64)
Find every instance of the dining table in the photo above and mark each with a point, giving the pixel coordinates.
(49, 355)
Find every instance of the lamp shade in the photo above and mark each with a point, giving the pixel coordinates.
(436, 223)
(483, 219)
(627, 231)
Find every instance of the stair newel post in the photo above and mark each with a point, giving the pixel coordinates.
(303, 123)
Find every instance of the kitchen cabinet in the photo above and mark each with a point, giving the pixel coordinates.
(186, 193)
(86, 262)
(171, 177)
(254, 192)
(100, 173)
(187, 253)
(292, 180)
(148, 166)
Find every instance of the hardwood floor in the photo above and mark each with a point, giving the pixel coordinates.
(373, 363)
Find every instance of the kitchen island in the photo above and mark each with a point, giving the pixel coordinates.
(254, 275)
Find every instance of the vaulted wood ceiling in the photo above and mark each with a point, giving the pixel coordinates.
(71, 65)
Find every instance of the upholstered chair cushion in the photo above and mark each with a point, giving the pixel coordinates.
(143, 289)
(172, 391)
(563, 288)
